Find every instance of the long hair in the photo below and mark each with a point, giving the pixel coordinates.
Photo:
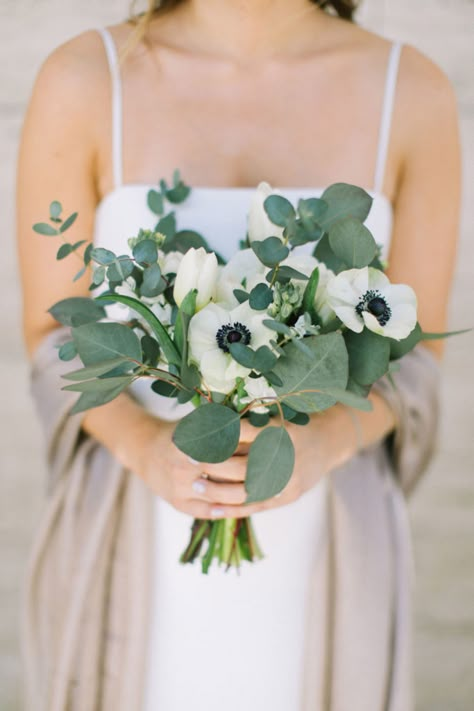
(343, 8)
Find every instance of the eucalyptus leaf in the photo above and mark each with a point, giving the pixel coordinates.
(345, 200)
(164, 388)
(76, 311)
(270, 464)
(259, 419)
(97, 342)
(369, 355)
(167, 346)
(155, 202)
(281, 328)
(67, 351)
(283, 274)
(43, 228)
(64, 251)
(241, 295)
(309, 294)
(152, 283)
(167, 226)
(400, 348)
(55, 210)
(261, 296)
(279, 209)
(327, 367)
(120, 269)
(87, 253)
(325, 254)
(270, 251)
(94, 371)
(208, 434)
(146, 252)
(352, 242)
(95, 398)
(102, 256)
(68, 222)
(150, 349)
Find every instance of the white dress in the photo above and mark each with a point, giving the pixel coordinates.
(227, 641)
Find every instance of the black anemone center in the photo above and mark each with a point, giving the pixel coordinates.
(375, 304)
(232, 333)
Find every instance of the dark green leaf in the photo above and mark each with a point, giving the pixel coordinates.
(352, 242)
(279, 209)
(270, 464)
(185, 312)
(67, 223)
(310, 293)
(150, 349)
(400, 348)
(270, 251)
(345, 200)
(165, 389)
(324, 253)
(155, 202)
(77, 311)
(178, 194)
(76, 245)
(43, 228)
(209, 434)
(87, 253)
(67, 351)
(283, 274)
(369, 355)
(259, 419)
(241, 295)
(64, 250)
(261, 296)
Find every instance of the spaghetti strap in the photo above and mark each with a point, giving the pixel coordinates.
(114, 68)
(387, 112)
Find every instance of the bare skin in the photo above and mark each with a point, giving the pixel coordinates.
(233, 99)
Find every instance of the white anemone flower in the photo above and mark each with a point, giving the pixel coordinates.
(365, 297)
(212, 329)
(259, 226)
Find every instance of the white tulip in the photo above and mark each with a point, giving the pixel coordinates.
(259, 226)
(197, 270)
(365, 297)
(210, 332)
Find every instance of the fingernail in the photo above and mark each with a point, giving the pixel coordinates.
(199, 486)
(192, 461)
(217, 512)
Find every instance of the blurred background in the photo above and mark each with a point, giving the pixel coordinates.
(442, 508)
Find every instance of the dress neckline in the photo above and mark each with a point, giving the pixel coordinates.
(203, 189)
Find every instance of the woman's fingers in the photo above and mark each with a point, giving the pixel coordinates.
(219, 493)
(232, 469)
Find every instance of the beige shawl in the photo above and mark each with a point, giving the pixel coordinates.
(87, 591)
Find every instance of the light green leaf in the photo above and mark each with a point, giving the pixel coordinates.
(271, 460)
(77, 311)
(93, 371)
(369, 355)
(208, 434)
(352, 242)
(43, 228)
(100, 385)
(327, 367)
(97, 342)
(102, 256)
(155, 202)
(67, 351)
(270, 251)
(88, 400)
(345, 200)
(55, 210)
(145, 252)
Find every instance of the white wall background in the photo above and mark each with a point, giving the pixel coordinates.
(442, 508)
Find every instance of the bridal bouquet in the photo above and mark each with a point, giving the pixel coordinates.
(273, 335)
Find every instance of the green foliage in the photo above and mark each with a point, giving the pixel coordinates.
(283, 274)
(155, 202)
(270, 464)
(166, 344)
(120, 269)
(344, 200)
(279, 210)
(262, 360)
(67, 351)
(208, 434)
(369, 355)
(324, 253)
(101, 392)
(68, 222)
(76, 311)
(152, 284)
(309, 294)
(259, 419)
(352, 242)
(55, 210)
(99, 342)
(327, 367)
(42, 228)
(270, 251)
(241, 295)
(261, 296)
(145, 252)
(102, 256)
(98, 369)
(179, 192)
(400, 348)
(167, 226)
(150, 350)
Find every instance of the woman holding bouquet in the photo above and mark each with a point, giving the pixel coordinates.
(234, 93)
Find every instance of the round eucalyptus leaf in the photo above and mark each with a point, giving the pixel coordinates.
(152, 283)
(352, 242)
(279, 209)
(345, 200)
(146, 252)
(76, 311)
(271, 460)
(55, 210)
(208, 434)
(261, 296)
(270, 251)
(155, 202)
(102, 256)
(369, 355)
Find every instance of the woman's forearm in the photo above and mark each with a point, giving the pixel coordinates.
(123, 426)
(345, 431)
